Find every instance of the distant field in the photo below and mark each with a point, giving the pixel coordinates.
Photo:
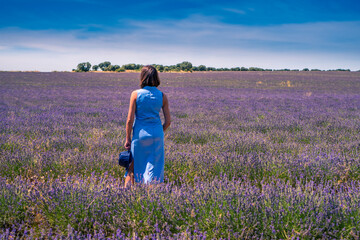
(272, 155)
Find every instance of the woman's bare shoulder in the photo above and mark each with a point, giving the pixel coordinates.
(164, 95)
(133, 95)
(165, 99)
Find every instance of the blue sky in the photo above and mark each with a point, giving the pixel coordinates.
(58, 34)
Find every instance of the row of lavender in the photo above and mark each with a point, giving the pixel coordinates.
(81, 207)
(271, 154)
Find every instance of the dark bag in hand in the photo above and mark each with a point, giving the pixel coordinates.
(125, 158)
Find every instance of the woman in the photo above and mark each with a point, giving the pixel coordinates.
(147, 144)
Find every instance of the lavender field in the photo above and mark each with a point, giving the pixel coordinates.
(249, 155)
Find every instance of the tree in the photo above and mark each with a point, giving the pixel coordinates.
(255, 69)
(195, 68)
(159, 67)
(202, 68)
(130, 66)
(95, 67)
(305, 69)
(185, 66)
(112, 68)
(120, 70)
(172, 68)
(83, 67)
(104, 65)
(116, 67)
(244, 69)
(340, 69)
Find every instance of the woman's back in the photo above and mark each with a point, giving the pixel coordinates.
(148, 105)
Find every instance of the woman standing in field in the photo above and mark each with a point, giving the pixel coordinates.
(147, 143)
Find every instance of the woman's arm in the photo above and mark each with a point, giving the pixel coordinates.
(130, 120)
(166, 112)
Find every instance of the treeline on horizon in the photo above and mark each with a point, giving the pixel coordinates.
(180, 67)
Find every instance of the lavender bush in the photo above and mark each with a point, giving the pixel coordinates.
(262, 155)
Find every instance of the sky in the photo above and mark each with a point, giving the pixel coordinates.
(49, 35)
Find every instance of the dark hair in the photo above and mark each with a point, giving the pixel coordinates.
(149, 77)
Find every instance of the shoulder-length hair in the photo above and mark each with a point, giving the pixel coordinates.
(149, 77)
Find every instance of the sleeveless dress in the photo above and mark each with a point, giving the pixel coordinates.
(147, 145)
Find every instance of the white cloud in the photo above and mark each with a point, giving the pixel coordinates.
(234, 10)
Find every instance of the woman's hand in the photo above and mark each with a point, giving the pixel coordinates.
(127, 145)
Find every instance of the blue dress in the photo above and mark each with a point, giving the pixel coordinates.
(147, 145)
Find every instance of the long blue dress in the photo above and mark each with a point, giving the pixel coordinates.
(147, 146)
